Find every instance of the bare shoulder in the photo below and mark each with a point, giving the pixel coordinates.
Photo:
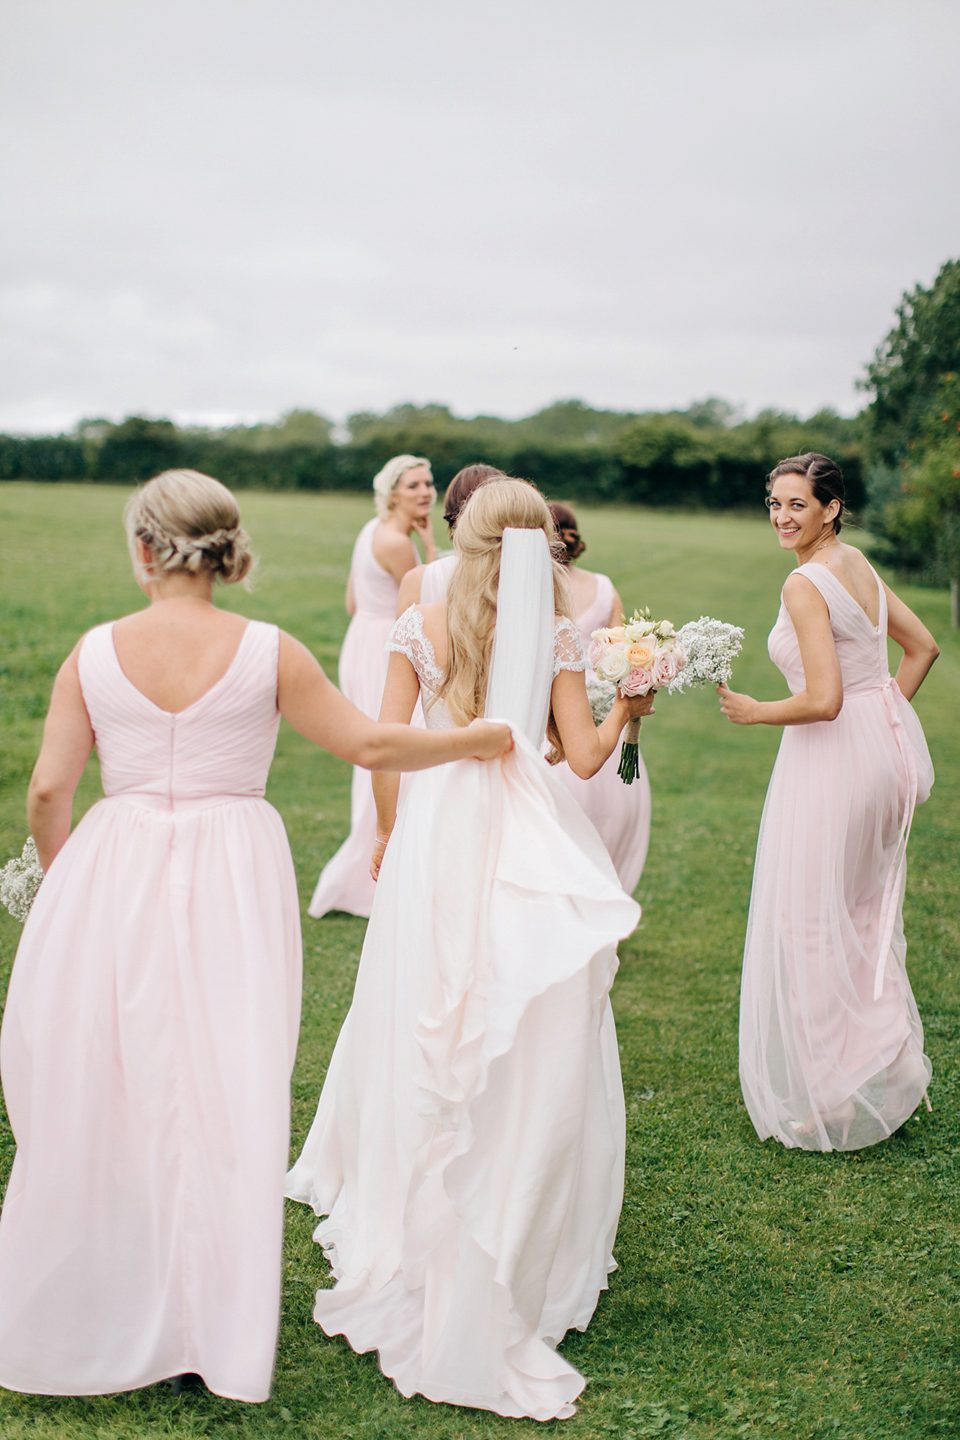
(389, 541)
(410, 587)
(855, 562)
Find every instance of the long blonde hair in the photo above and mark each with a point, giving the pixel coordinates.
(497, 505)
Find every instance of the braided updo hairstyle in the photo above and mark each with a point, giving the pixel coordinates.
(189, 521)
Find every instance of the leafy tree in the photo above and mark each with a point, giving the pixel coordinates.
(909, 369)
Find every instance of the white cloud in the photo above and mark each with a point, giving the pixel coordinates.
(239, 207)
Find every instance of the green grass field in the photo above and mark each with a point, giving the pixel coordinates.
(760, 1292)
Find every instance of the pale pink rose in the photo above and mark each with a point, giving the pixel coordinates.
(638, 682)
(679, 655)
(595, 651)
(664, 668)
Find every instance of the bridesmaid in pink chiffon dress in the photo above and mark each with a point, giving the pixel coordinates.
(152, 1016)
(831, 1044)
(620, 813)
(382, 555)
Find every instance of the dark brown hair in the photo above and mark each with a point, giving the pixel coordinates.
(570, 545)
(826, 480)
(462, 486)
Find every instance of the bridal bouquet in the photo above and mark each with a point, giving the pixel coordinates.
(643, 655)
(20, 881)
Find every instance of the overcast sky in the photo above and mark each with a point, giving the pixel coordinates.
(220, 209)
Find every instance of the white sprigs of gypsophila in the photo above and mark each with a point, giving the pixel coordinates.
(601, 694)
(20, 881)
(711, 646)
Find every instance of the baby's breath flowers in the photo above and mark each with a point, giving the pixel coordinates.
(711, 646)
(20, 881)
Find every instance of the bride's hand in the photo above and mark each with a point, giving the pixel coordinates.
(741, 709)
(489, 739)
(376, 859)
(640, 705)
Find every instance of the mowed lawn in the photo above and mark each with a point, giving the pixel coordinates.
(761, 1292)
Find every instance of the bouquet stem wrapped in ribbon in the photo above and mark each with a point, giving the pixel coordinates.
(643, 655)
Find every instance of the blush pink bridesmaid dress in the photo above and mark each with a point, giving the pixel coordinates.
(345, 882)
(620, 813)
(149, 1034)
(831, 1044)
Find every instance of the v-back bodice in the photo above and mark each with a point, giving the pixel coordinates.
(219, 748)
(861, 647)
(374, 589)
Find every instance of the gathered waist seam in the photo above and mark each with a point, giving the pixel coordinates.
(172, 805)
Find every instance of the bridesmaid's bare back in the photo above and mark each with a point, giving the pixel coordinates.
(175, 652)
(855, 574)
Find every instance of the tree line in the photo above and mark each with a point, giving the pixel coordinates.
(900, 455)
(705, 455)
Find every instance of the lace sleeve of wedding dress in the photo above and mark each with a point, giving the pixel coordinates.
(407, 638)
(567, 648)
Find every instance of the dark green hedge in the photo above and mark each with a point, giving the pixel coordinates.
(651, 459)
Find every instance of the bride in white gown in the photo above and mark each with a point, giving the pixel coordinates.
(468, 1145)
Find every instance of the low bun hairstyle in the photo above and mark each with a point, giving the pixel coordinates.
(190, 522)
(570, 544)
(824, 474)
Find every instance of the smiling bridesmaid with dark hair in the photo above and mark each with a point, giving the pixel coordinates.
(831, 1044)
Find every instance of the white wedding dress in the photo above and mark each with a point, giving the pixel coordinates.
(468, 1146)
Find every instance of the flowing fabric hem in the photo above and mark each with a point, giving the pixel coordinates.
(189, 1367)
(566, 919)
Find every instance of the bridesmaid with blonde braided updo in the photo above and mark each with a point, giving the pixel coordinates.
(152, 1017)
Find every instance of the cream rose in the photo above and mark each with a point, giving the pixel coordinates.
(638, 630)
(613, 665)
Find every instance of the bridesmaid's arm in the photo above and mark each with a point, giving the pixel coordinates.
(399, 698)
(616, 612)
(316, 708)
(586, 746)
(918, 645)
(67, 742)
(350, 600)
(822, 699)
